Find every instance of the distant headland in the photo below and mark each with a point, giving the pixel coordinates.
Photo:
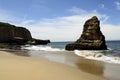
(12, 34)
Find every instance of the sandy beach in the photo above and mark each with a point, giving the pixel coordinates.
(27, 68)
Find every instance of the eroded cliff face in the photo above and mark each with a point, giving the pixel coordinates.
(11, 33)
(91, 38)
(18, 35)
(23, 33)
(6, 33)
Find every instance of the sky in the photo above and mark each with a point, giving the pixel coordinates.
(62, 20)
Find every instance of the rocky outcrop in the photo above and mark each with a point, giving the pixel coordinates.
(91, 38)
(38, 41)
(17, 35)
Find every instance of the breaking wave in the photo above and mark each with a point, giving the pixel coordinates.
(43, 48)
(110, 56)
(98, 55)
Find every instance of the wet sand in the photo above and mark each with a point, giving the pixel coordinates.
(29, 68)
(110, 71)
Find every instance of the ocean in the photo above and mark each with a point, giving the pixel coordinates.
(112, 55)
(103, 63)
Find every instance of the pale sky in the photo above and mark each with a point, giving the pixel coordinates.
(62, 20)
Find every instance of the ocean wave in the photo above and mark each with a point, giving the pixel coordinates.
(97, 55)
(43, 48)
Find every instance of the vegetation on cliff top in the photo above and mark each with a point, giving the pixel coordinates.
(5, 24)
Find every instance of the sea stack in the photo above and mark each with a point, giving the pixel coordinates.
(91, 37)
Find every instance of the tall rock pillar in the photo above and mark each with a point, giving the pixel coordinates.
(91, 37)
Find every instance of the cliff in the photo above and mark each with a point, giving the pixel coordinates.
(14, 34)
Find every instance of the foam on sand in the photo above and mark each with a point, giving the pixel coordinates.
(97, 55)
(43, 48)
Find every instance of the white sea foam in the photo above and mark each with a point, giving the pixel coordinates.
(97, 55)
(43, 48)
(89, 54)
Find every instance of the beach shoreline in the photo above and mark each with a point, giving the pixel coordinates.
(30, 68)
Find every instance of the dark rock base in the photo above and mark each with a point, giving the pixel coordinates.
(84, 47)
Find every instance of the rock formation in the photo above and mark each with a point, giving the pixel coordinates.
(91, 38)
(38, 41)
(17, 35)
